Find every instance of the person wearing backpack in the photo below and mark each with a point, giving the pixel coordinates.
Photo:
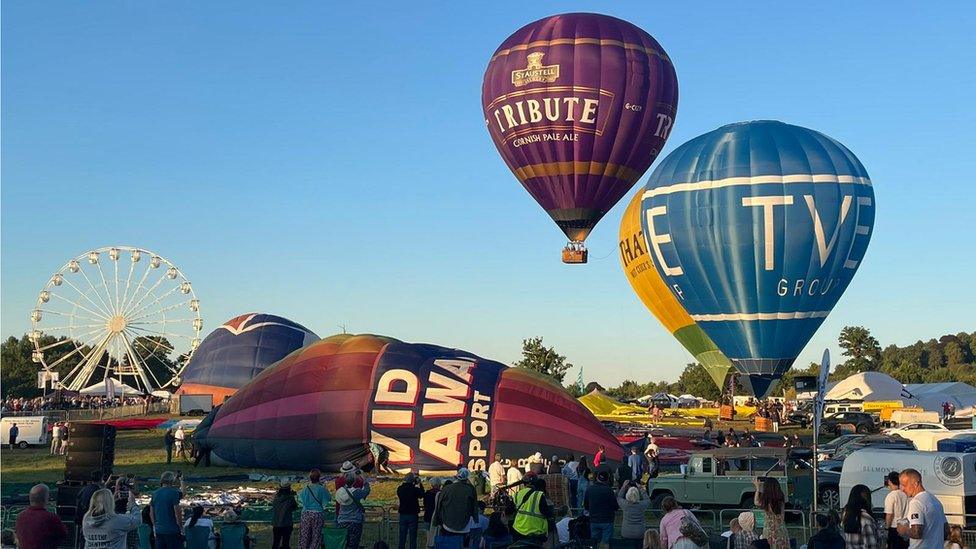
(314, 499)
(352, 514)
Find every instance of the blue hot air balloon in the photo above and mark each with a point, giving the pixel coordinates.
(758, 228)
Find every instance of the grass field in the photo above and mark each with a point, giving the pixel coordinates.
(142, 453)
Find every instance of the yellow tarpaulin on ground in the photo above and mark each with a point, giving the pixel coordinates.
(607, 408)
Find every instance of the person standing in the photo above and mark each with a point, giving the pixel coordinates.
(583, 478)
(456, 512)
(55, 438)
(553, 467)
(601, 503)
(283, 508)
(314, 498)
(409, 494)
(36, 527)
(624, 473)
(633, 502)
(860, 530)
(165, 512)
(650, 445)
(569, 471)
(635, 462)
(533, 513)
(352, 514)
(12, 434)
(513, 477)
(169, 440)
(769, 497)
(927, 526)
(895, 505)
(598, 457)
(102, 527)
(430, 503)
(496, 474)
(65, 434)
(180, 437)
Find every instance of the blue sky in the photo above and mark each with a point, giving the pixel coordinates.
(329, 163)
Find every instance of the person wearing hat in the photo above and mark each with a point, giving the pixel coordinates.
(340, 480)
(743, 530)
(282, 507)
(410, 492)
(456, 511)
(533, 512)
(350, 513)
(314, 498)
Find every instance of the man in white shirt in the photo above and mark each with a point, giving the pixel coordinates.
(927, 526)
(569, 471)
(180, 437)
(895, 505)
(496, 474)
(55, 438)
(651, 447)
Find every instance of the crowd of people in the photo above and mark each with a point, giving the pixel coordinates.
(77, 402)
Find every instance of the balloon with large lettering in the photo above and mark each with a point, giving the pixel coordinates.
(240, 349)
(758, 228)
(654, 293)
(579, 105)
(431, 407)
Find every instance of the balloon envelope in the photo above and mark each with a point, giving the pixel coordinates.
(758, 228)
(240, 349)
(579, 105)
(432, 407)
(654, 293)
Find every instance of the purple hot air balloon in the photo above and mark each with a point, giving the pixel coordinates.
(579, 106)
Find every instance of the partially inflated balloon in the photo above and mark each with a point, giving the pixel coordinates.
(654, 293)
(758, 228)
(240, 349)
(579, 105)
(432, 407)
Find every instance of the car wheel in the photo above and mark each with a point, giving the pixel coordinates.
(22, 445)
(862, 429)
(830, 497)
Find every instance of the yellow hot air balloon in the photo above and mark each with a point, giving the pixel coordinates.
(652, 290)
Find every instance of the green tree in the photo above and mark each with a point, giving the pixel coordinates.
(695, 380)
(955, 353)
(18, 371)
(542, 359)
(861, 349)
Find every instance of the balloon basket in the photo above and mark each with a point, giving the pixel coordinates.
(575, 254)
(726, 413)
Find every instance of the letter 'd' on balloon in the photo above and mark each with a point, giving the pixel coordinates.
(758, 228)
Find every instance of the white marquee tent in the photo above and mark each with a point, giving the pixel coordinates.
(872, 386)
(110, 387)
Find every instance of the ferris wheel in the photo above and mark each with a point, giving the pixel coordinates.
(120, 313)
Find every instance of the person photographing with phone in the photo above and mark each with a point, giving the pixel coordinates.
(769, 497)
(633, 502)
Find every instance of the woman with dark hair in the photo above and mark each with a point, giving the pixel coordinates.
(197, 519)
(769, 497)
(583, 479)
(314, 498)
(860, 530)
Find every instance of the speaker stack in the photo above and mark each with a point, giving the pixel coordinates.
(90, 452)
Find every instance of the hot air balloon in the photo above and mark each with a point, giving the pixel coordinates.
(654, 293)
(579, 105)
(432, 408)
(758, 228)
(239, 350)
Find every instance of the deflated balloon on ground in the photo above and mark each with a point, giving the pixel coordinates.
(432, 408)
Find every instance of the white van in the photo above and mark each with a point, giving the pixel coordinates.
(950, 477)
(928, 441)
(32, 431)
(904, 417)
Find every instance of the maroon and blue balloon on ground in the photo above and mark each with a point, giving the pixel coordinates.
(579, 105)
(758, 228)
(240, 349)
(433, 408)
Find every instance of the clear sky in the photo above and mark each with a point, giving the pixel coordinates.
(329, 162)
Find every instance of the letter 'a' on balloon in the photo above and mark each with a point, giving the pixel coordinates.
(579, 105)
(654, 294)
(758, 228)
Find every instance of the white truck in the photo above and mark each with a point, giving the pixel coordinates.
(32, 431)
(950, 477)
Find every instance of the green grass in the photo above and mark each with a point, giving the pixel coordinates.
(142, 453)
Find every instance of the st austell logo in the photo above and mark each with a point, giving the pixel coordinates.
(535, 71)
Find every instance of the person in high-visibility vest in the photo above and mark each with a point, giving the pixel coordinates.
(533, 512)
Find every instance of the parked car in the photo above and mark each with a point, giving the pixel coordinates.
(836, 463)
(916, 427)
(862, 422)
(723, 477)
(827, 449)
